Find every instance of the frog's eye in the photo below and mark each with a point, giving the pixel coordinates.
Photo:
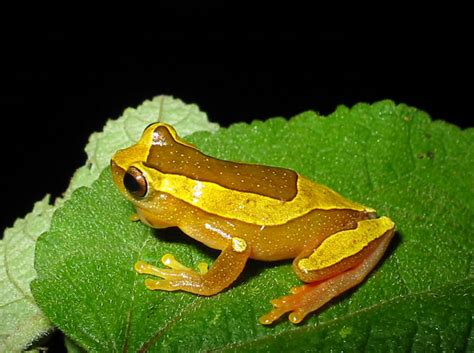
(135, 182)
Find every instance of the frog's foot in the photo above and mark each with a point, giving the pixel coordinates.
(176, 277)
(300, 302)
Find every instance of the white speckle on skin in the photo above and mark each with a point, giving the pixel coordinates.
(217, 230)
(197, 191)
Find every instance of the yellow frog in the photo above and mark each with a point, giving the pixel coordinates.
(248, 211)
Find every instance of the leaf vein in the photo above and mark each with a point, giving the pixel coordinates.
(148, 344)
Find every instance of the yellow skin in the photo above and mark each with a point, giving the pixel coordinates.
(248, 211)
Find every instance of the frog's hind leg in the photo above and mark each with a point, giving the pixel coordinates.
(327, 283)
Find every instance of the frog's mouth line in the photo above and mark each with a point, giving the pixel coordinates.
(142, 216)
(148, 218)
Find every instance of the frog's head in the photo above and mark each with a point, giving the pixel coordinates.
(128, 170)
(136, 174)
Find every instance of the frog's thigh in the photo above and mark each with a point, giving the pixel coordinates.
(319, 264)
(316, 275)
(328, 282)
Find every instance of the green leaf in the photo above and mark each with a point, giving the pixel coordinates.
(393, 158)
(24, 321)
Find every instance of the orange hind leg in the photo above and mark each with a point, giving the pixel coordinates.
(325, 284)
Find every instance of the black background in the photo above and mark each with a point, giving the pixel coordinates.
(59, 87)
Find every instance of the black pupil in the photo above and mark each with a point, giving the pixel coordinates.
(135, 184)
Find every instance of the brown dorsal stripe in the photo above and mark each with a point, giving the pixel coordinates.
(171, 157)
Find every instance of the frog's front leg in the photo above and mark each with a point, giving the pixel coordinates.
(223, 272)
(332, 269)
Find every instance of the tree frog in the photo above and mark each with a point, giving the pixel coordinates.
(248, 211)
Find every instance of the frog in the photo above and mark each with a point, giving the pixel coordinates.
(248, 211)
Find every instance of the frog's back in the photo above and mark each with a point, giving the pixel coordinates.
(252, 193)
(171, 156)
